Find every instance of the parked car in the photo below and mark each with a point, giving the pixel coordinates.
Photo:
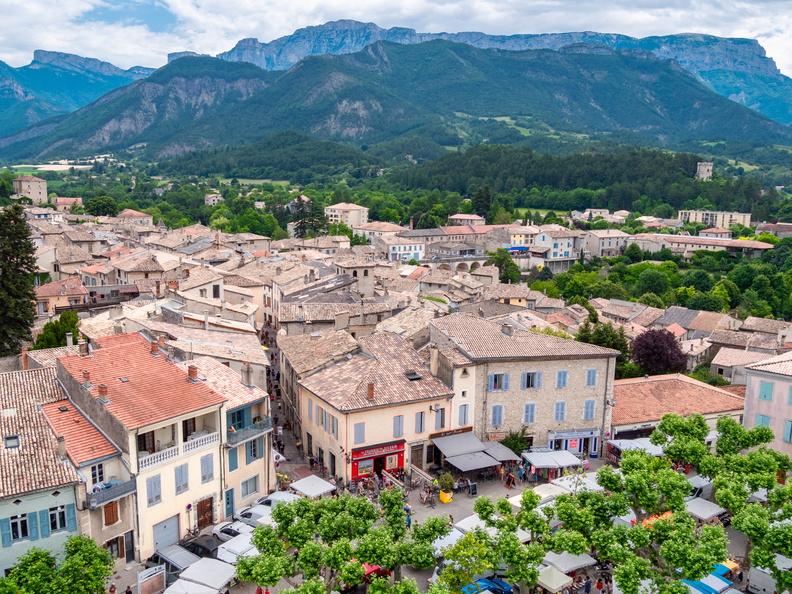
(277, 497)
(225, 531)
(239, 546)
(175, 558)
(493, 584)
(203, 545)
(250, 515)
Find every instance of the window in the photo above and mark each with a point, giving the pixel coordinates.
(439, 418)
(360, 432)
(310, 410)
(110, 513)
(216, 291)
(530, 414)
(19, 527)
(334, 426)
(419, 422)
(463, 414)
(561, 379)
(207, 468)
(765, 390)
(12, 441)
(591, 377)
(254, 449)
(153, 490)
(233, 460)
(560, 411)
(97, 473)
(531, 379)
(398, 426)
(498, 381)
(588, 410)
(762, 421)
(788, 431)
(238, 419)
(250, 486)
(182, 481)
(464, 394)
(202, 292)
(57, 518)
(497, 415)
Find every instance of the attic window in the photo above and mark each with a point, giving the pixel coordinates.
(63, 409)
(103, 400)
(412, 375)
(123, 380)
(56, 493)
(11, 441)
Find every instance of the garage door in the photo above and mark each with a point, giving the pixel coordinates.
(166, 533)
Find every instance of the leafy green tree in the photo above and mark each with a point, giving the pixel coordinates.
(309, 219)
(54, 332)
(482, 201)
(101, 206)
(707, 301)
(633, 253)
(657, 351)
(700, 279)
(605, 335)
(651, 280)
(509, 271)
(17, 267)
(652, 300)
(342, 229)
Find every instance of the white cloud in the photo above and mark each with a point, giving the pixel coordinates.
(212, 26)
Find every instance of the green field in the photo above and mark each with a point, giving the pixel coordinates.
(255, 182)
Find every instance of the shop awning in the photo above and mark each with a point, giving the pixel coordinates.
(567, 562)
(472, 461)
(312, 486)
(553, 580)
(456, 445)
(446, 541)
(474, 522)
(185, 587)
(702, 509)
(546, 492)
(554, 459)
(500, 452)
(717, 583)
(209, 572)
(577, 483)
(641, 444)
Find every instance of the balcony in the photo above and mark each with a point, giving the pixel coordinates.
(149, 460)
(197, 442)
(252, 431)
(114, 490)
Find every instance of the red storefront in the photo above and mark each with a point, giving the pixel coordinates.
(386, 456)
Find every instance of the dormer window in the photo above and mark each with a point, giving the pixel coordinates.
(11, 442)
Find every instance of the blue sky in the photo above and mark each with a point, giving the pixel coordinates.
(142, 32)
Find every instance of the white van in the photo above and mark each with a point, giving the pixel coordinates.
(761, 581)
(239, 546)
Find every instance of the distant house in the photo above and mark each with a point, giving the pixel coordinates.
(780, 230)
(64, 204)
(31, 187)
(135, 217)
(715, 218)
(377, 229)
(61, 293)
(466, 219)
(213, 199)
(717, 232)
(768, 399)
(352, 215)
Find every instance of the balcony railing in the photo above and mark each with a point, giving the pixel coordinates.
(158, 457)
(116, 491)
(250, 432)
(196, 443)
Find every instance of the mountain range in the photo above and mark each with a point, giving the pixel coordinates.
(56, 83)
(437, 90)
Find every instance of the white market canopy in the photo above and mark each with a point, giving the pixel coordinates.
(702, 509)
(642, 444)
(567, 562)
(547, 492)
(576, 483)
(500, 452)
(553, 580)
(443, 542)
(184, 587)
(312, 486)
(209, 572)
(474, 522)
(459, 444)
(554, 459)
(472, 461)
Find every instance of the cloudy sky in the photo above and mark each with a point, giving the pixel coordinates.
(142, 32)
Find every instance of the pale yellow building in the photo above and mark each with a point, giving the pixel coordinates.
(352, 215)
(32, 187)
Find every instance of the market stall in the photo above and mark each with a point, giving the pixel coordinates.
(550, 464)
(553, 580)
(210, 573)
(500, 452)
(567, 562)
(312, 487)
(472, 461)
(578, 482)
(703, 510)
(443, 542)
(614, 448)
(185, 587)
(474, 522)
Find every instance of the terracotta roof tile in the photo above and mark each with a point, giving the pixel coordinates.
(780, 364)
(68, 286)
(84, 442)
(47, 357)
(642, 400)
(225, 381)
(307, 352)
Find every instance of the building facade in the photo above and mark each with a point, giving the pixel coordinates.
(715, 218)
(768, 399)
(32, 187)
(352, 215)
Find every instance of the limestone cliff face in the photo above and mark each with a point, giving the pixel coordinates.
(735, 68)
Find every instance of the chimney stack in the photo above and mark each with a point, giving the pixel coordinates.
(161, 341)
(102, 390)
(247, 374)
(83, 347)
(370, 394)
(86, 376)
(69, 339)
(154, 347)
(507, 329)
(61, 447)
(24, 358)
(192, 373)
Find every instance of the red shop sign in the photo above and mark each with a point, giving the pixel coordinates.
(377, 451)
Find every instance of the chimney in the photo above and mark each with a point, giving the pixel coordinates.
(311, 275)
(24, 358)
(102, 390)
(154, 347)
(86, 376)
(69, 339)
(192, 373)
(61, 447)
(507, 329)
(161, 341)
(158, 287)
(434, 359)
(370, 393)
(247, 374)
(83, 347)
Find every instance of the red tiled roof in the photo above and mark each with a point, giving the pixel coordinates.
(155, 388)
(645, 399)
(84, 442)
(68, 286)
(129, 213)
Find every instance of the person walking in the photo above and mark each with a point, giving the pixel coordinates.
(113, 589)
(408, 516)
(128, 590)
(587, 585)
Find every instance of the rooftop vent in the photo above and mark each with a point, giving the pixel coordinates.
(123, 380)
(412, 375)
(63, 409)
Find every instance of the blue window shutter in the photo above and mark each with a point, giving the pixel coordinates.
(5, 532)
(71, 518)
(248, 452)
(497, 415)
(246, 415)
(260, 448)
(788, 431)
(530, 414)
(233, 461)
(32, 521)
(524, 380)
(44, 524)
(505, 381)
(538, 379)
(490, 382)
